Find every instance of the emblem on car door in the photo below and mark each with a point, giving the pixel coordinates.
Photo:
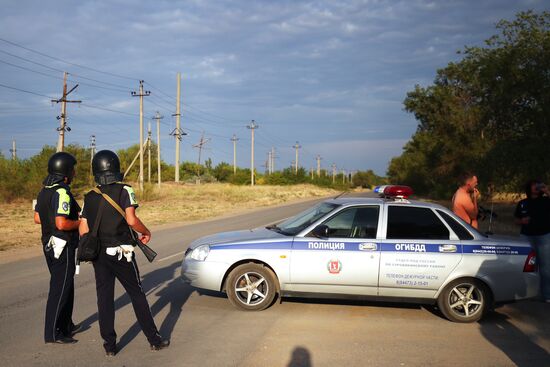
(334, 266)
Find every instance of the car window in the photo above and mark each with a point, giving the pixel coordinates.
(414, 223)
(457, 228)
(356, 222)
(296, 224)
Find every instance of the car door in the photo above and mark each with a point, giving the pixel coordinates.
(417, 254)
(346, 261)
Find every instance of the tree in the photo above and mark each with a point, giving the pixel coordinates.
(487, 112)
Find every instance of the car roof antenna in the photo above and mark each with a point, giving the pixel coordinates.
(341, 194)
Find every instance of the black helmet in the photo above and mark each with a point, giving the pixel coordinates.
(106, 167)
(60, 165)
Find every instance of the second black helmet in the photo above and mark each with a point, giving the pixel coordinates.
(106, 167)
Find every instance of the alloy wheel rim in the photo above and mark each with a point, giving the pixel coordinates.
(251, 288)
(465, 300)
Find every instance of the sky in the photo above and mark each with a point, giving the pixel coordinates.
(331, 75)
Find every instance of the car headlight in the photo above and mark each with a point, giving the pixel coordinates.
(199, 253)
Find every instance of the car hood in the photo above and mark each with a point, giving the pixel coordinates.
(237, 237)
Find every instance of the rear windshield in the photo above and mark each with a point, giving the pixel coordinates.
(457, 228)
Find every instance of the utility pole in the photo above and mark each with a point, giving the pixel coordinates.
(200, 145)
(63, 118)
(266, 164)
(92, 147)
(149, 153)
(297, 146)
(253, 126)
(318, 158)
(92, 153)
(158, 117)
(343, 176)
(269, 162)
(13, 150)
(333, 172)
(272, 159)
(234, 140)
(177, 131)
(141, 94)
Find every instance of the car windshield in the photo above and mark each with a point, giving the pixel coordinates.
(294, 225)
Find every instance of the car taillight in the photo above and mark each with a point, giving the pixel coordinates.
(530, 263)
(398, 191)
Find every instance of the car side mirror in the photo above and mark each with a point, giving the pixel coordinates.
(321, 231)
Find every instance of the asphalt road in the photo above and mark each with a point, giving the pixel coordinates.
(205, 330)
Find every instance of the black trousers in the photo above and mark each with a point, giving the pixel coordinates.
(107, 268)
(59, 307)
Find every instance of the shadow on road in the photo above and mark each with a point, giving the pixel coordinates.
(175, 294)
(351, 302)
(518, 346)
(301, 357)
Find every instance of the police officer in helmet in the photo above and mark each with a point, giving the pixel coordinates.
(57, 212)
(116, 258)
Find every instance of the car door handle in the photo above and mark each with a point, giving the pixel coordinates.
(368, 246)
(447, 248)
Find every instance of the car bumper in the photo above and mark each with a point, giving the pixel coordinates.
(524, 286)
(532, 281)
(203, 274)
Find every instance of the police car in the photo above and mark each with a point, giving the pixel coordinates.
(387, 248)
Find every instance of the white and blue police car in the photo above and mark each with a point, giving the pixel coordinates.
(387, 248)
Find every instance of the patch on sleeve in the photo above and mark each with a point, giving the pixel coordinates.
(132, 195)
(64, 206)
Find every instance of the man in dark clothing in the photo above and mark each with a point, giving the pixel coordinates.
(57, 212)
(116, 258)
(533, 214)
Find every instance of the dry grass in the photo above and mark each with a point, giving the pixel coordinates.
(182, 203)
(173, 203)
(18, 228)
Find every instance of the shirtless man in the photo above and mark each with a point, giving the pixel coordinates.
(465, 199)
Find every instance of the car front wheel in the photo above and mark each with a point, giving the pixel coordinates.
(464, 300)
(251, 287)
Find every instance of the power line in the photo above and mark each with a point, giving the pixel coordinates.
(217, 135)
(33, 62)
(160, 91)
(124, 88)
(108, 109)
(57, 77)
(190, 106)
(67, 62)
(26, 91)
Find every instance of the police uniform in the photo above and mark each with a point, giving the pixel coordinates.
(113, 231)
(537, 231)
(57, 201)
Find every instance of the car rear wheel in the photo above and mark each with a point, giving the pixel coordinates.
(251, 287)
(464, 300)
